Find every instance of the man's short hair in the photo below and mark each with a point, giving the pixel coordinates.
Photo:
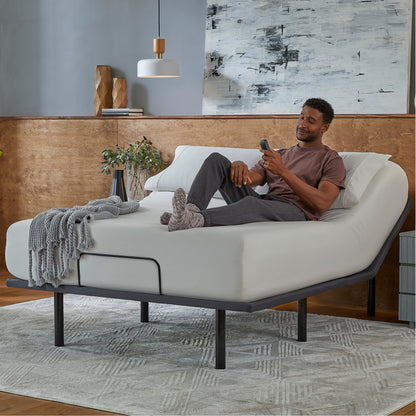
(323, 106)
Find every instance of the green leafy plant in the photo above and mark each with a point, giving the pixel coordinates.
(140, 155)
(140, 160)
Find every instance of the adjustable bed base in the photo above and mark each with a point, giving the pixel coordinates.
(222, 268)
(300, 295)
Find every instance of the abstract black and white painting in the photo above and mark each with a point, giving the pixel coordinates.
(268, 56)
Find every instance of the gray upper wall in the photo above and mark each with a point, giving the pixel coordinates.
(49, 50)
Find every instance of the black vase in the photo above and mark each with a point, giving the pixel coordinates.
(117, 187)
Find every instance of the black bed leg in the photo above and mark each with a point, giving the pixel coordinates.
(59, 319)
(220, 339)
(371, 297)
(302, 325)
(144, 311)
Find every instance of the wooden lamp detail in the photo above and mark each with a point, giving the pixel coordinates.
(159, 67)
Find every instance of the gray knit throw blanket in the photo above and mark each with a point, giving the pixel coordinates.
(54, 238)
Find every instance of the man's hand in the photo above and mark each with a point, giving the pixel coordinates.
(273, 162)
(319, 199)
(239, 174)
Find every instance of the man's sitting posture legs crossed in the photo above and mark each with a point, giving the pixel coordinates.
(303, 180)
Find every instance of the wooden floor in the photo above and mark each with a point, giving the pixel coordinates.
(11, 404)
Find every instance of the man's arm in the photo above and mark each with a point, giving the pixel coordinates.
(241, 175)
(319, 199)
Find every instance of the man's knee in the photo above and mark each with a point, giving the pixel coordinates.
(217, 159)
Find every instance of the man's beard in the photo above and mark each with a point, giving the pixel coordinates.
(308, 138)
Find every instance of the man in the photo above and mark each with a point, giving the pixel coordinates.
(303, 180)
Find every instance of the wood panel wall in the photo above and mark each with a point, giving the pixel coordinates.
(55, 162)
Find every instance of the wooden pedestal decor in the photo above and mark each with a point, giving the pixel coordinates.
(103, 87)
(119, 93)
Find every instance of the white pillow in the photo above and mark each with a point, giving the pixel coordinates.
(187, 162)
(360, 169)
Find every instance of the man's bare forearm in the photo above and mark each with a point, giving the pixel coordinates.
(319, 199)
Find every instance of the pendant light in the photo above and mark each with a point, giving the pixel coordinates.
(159, 67)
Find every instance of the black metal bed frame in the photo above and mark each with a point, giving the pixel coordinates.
(300, 295)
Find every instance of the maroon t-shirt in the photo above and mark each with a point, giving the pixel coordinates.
(312, 165)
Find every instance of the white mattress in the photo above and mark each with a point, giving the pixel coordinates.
(235, 263)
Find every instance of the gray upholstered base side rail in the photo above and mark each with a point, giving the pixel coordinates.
(300, 295)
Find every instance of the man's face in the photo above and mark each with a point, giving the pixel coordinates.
(311, 126)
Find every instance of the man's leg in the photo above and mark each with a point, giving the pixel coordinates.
(244, 204)
(253, 209)
(214, 175)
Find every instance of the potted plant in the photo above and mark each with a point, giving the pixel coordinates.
(140, 160)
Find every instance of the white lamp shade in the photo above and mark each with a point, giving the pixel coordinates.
(158, 68)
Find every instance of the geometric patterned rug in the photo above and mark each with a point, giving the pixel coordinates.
(111, 361)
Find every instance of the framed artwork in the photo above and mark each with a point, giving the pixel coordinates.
(269, 56)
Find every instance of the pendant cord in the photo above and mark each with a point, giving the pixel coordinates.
(158, 18)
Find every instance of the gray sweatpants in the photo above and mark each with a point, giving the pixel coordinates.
(244, 205)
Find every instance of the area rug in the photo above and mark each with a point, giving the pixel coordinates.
(111, 361)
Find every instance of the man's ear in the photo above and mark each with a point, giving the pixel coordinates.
(324, 128)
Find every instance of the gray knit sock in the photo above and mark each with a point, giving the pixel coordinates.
(178, 205)
(184, 215)
(165, 217)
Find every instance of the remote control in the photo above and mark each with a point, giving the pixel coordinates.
(264, 145)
